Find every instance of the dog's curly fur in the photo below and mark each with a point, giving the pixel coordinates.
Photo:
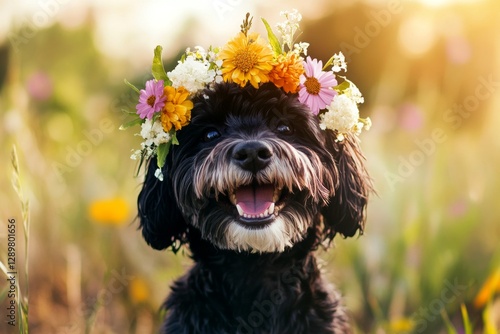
(254, 269)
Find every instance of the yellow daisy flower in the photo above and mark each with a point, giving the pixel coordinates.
(286, 72)
(177, 110)
(246, 58)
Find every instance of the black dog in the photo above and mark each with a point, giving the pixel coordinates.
(253, 189)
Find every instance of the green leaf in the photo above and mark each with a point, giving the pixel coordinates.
(162, 152)
(342, 86)
(328, 63)
(273, 40)
(174, 138)
(132, 86)
(157, 69)
(131, 123)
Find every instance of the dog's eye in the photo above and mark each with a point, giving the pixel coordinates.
(211, 135)
(284, 129)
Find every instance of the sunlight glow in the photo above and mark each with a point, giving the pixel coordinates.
(417, 35)
(442, 3)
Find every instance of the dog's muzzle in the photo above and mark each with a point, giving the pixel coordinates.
(255, 203)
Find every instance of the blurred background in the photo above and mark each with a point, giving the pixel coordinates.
(429, 261)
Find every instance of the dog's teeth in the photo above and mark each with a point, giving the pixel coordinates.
(271, 209)
(240, 210)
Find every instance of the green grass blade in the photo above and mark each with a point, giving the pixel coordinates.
(449, 326)
(3, 268)
(131, 86)
(22, 294)
(466, 320)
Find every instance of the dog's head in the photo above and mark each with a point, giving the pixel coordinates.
(254, 172)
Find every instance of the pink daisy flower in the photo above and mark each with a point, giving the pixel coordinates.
(151, 99)
(315, 88)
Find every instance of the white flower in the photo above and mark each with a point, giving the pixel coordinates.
(358, 127)
(136, 155)
(368, 123)
(289, 27)
(192, 74)
(200, 52)
(218, 77)
(159, 174)
(353, 93)
(342, 115)
(153, 133)
(301, 48)
(339, 63)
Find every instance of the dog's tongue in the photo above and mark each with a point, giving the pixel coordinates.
(254, 200)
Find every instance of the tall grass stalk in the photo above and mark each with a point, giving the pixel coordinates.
(22, 294)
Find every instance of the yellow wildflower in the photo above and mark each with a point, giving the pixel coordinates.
(113, 211)
(138, 290)
(177, 110)
(401, 325)
(246, 58)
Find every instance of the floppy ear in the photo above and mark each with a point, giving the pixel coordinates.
(160, 219)
(345, 213)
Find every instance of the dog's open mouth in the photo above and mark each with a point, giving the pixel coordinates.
(257, 205)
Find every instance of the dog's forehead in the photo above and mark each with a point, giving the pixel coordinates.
(249, 108)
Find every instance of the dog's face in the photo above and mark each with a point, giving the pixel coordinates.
(253, 173)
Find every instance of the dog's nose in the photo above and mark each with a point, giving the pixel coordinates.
(252, 155)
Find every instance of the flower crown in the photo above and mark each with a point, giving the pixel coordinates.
(165, 104)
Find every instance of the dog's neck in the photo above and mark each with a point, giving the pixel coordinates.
(237, 291)
(258, 272)
(204, 252)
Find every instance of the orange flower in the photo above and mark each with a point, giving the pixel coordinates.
(286, 72)
(488, 289)
(113, 211)
(245, 59)
(177, 110)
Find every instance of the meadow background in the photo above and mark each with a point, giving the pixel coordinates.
(430, 73)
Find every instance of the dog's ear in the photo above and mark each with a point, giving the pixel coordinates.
(345, 212)
(160, 219)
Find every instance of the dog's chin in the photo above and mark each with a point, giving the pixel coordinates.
(270, 236)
